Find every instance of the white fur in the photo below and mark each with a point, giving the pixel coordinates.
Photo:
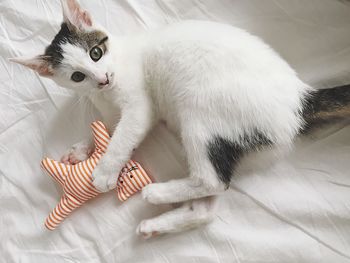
(193, 72)
(204, 79)
(188, 215)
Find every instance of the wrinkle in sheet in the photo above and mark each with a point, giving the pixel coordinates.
(286, 220)
(169, 13)
(201, 6)
(137, 13)
(234, 251)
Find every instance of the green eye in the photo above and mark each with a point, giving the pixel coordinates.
(96, 53)
(78, 76)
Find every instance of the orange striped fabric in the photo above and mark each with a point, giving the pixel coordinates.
(76, 180)
(131, 180)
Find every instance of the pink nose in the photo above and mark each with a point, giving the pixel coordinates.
(105, 82)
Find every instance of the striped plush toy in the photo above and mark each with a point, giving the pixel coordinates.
(76, 180)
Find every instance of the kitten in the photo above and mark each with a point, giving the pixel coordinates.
(223, 91)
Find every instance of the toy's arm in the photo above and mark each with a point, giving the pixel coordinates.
(101, 136)
(56, 170)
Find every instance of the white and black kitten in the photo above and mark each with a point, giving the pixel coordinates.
(223, 91)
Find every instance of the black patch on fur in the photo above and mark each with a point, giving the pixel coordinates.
(225, 154)
(326, 106)
(103, 40)
(54, 50)
(86, 40)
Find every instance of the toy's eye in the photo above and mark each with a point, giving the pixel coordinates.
(96, 53)
(131, 176)
(121, 182)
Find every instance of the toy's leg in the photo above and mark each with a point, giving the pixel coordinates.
(66, 205)
(78, 152)
(189, 215)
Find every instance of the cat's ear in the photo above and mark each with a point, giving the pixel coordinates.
(75, 16)
(38, 63)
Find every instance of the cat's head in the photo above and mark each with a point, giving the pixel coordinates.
(78, 57)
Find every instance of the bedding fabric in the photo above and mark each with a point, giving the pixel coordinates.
(297, 211)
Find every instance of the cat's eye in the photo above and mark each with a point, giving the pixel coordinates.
(78, 76)
(96, 53)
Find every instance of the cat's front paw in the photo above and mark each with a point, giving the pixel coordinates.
(104, 177)
(77, 153)
(100, 181)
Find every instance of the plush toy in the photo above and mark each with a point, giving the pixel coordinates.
(76, 180)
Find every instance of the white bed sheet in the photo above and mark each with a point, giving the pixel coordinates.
(298, 211)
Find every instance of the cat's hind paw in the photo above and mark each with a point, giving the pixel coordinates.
(146, 230)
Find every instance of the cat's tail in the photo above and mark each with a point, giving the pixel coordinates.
(326, 106)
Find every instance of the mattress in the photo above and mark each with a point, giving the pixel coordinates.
(296, 211)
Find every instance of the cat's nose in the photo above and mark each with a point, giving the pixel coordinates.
(105, 81)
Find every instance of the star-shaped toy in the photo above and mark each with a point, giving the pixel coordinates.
(76, 180)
